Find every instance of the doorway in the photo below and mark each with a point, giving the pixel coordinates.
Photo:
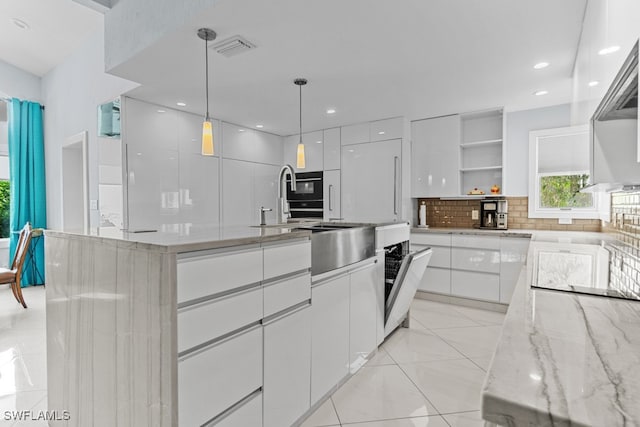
(75, 186)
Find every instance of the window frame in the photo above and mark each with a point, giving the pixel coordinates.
(535, 211)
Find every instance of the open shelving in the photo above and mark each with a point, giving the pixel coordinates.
(481, 151)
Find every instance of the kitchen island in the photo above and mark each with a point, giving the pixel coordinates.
(162, 328)
(564, 359)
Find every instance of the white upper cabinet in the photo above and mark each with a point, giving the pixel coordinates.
(387, 129)
(355, 134)
(237, 193)
(313, 151)
(241, 143)
(331, 194)
(435, 157)
(332, 149)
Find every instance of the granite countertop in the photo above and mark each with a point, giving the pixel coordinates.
(474, 231)
(565, 359)
(186, 237)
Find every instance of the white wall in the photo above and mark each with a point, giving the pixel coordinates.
(519, 124)
(71, 93)
(18, 83)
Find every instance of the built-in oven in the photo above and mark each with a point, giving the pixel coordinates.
(307, 200)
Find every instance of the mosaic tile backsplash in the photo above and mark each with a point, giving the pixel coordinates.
(625, 218)
(457, 214)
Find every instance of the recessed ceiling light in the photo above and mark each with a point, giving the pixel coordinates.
(331, 111)
(259, 126)
(181, 104)
(608, 50)
(20, 23)
(240, 130)
(318, 142)
(540, 92)
(381, 132)
(541, 65)
(593, 83)
(161, 111)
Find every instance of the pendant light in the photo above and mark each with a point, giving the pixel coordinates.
(300, 160)
(207, 35)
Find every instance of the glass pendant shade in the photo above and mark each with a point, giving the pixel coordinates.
(300, 163)
(207, 138)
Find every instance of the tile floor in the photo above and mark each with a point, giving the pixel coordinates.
(427, 375)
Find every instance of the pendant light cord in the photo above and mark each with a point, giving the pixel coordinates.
(300, 114)
(206, 75)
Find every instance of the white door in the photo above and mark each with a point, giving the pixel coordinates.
(287, 367)
(371, 181)
(331, 194)
(75, 189)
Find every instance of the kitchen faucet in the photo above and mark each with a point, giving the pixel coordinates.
(283, 205)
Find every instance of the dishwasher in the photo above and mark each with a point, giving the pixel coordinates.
(403, 271)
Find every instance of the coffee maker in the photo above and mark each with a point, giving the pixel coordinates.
(493, 214)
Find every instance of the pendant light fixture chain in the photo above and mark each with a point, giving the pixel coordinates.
(300, 82)
(206, 34)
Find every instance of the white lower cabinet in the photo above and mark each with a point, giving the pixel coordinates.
(362, 315)
(249, 413)
(471, 284)
(200, 397)
(287, 367)
(436, 279)
(329, 334)
(513, 255)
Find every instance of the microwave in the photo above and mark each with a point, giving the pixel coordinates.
(307, 200)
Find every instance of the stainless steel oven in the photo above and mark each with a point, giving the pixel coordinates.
(307, 200)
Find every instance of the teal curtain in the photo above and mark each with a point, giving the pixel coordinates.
(27, 177)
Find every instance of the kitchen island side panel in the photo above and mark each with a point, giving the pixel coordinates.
(111, 332)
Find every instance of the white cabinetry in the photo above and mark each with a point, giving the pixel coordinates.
(614, 155)
(475, 264)
(513, 255)
(362, 315)
(434, 157)
(371, 181)
(242, 143)
(287, 367)
(382, 130)
(332, 149)
(437, 277)
(330, 335)
(354, 134)
(331, 194)
(313, 151)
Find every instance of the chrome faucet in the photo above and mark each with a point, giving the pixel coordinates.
(263, 210)
(283, 205)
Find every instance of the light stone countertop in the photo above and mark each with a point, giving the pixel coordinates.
(179, 238)
(474, 231)
(565, 359)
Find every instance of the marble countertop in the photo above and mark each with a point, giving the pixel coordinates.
(186, 237)
(565, 359)
(474, 231)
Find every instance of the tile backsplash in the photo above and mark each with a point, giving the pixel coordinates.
(457, 214)
(625, 218)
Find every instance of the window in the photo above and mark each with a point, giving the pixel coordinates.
(558, 170)
(4, 209)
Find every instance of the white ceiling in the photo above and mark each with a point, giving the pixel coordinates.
(369, 59)
(57, 28)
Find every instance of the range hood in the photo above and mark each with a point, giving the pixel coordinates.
(621, 100)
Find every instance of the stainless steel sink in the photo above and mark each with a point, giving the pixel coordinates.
(337, 245)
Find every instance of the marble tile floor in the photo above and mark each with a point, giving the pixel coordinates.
(429, 375)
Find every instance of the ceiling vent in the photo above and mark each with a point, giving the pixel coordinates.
(233, 46)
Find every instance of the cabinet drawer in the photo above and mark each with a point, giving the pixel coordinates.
(249, 414)
(285, 293)
(441, 255)
(487, 261)
(436, 280)
(202, 322)
(284, 259)
(200, 276)
(235, 362)
(475, 285)
(480, 242)
(381, 130)
(431, 239)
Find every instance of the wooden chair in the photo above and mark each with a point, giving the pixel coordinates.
(14, 274)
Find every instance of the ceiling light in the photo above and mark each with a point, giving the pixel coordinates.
(20, 23)
(540, 92)
(207, 34)
(259, 126)
(331, 111)
(381, 132)
(181, 104)
(300, 159)
(541, 65)
(161, 111)
(240, 130)
(318, 142)
(593, 83)
(608, 50)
